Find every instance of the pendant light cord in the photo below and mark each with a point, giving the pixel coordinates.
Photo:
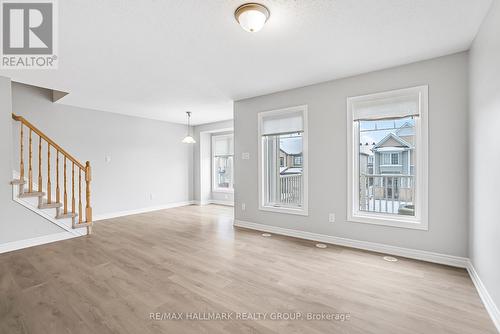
(189, 122)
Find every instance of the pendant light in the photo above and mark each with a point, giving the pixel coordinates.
(188, 139)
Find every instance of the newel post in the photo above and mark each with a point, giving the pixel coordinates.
(88, 178)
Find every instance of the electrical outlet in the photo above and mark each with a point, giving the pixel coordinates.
(243, 206)
(107, 159)
(151, 196)
(331, 218)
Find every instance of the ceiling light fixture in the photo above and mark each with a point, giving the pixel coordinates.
(188, 139)
(252, 16)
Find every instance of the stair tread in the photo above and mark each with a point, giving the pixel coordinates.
(16, 182)
(32, 194)
(79, 225)
(66, 215)
(52, 205)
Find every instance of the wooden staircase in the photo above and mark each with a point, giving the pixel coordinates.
(46, 201)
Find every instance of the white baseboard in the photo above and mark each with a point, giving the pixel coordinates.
(142, 210)
(219, 202)
(213, 201)
(20, 244)
(449, 260)
(488, 302)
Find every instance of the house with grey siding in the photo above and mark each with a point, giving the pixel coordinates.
(394, 154)
(388, 167)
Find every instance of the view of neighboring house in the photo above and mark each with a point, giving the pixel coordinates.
(290, 183)
(290, 156)
(366, 158)
(394, 153)
(386, 171)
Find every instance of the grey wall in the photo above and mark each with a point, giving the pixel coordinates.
(147, 157)
(447, 78)
(484, 245)
(202, 161)
(16, 222)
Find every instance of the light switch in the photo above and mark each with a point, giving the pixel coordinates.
(245, 156)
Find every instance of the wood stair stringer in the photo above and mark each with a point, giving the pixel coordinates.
(36, 202)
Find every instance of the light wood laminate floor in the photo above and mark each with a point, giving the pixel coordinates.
(190, 260)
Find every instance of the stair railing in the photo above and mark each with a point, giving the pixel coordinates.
(59, 151)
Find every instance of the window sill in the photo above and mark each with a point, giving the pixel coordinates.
(409, 223)
(291, 211)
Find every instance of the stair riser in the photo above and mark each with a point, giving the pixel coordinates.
(38, 201)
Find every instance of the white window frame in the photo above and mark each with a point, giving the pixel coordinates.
(304, 211)
(215, 187)
(388, 162)
(420, 220)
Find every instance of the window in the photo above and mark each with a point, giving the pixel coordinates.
(389, 158)
(283, 160)
(394, 159)
(388, 177)
(222, 150)
(297, 160)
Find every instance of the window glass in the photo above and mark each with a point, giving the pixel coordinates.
(387, 153)
(222, 148)
(223, 172)
(283, 155)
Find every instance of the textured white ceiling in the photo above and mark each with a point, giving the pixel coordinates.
(159, 58)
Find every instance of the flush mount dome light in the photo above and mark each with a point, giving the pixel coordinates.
(252, 16)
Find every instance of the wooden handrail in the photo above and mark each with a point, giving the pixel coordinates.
(48, 140)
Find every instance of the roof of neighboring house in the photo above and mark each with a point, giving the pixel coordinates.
(390, 149)
(291, 146)
(291, 170)
(398, 139)
(366, 149)
(406, 129)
